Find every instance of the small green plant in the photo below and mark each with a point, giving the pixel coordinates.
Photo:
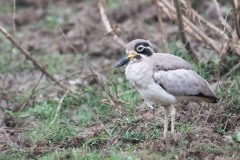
(186, 128)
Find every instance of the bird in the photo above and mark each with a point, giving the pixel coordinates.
(163, 79)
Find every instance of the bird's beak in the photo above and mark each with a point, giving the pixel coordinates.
(125, 59)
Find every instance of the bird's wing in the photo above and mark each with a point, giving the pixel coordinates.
(165, 61)
(183, 82)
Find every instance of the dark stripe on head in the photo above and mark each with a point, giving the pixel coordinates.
(146, 44)
(148, 51)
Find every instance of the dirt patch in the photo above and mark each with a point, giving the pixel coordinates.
(91, 131)
(219, 116)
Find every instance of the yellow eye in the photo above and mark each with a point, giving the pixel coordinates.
(140, 48)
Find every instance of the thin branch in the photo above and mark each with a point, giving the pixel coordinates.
(24, 104)
(104, 84)
(220, 17)
(107, 25)
(29, 57)
(71, 45)
(186, 43)
(59, 107)
(237, 66)
(191, 28)
(235, 7)
(161, 26)
(206, 22)
(67, 77)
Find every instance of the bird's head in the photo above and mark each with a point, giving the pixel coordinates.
(136, 50)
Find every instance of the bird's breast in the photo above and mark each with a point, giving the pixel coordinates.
(138, 74)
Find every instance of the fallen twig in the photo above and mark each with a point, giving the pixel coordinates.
(69, 76)
(161, 26)
(236, 16)
(31, 95)
(104, 84)
(65, 37)
(59, 107)
(191, 28)
(237, 66)
(206, 22)
(220, 17)
(29, 57)
(186, 43)
(107, 25)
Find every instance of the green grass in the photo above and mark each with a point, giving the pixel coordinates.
(114, 4)
(13, 153)
(18, 62)
(4, 8)
(185, 128)
(77, 154)
(79, 112)
(84, 109)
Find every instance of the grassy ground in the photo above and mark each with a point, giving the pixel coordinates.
(87, 127)
(107, 118)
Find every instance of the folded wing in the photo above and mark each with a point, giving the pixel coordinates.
(184, 82)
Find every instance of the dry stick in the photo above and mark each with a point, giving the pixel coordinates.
(206, 22)
(65, 37)
(235, 7)
(36, 91)
(196, 31)
(127, 92)
(220, 18)
(187, 6)
(29, 57)
(107, 90)
(174, 18)
(107, 25)
(114, 101)
(160, 25)
(186, 43)
(59, 107)
(234, 46)
(69, 76)
(232, 70)
(31, 95)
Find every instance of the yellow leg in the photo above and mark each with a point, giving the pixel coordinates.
(173, 113)
(166, 109)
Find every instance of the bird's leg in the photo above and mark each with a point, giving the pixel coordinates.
(173, 113)
(166, 109)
